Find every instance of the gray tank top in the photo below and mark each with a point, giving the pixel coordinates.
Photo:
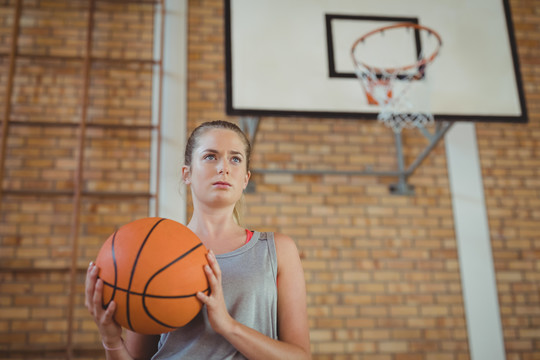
(249, 276)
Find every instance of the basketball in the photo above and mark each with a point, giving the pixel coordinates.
(153, 268)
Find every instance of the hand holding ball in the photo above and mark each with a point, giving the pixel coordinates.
(153, 268)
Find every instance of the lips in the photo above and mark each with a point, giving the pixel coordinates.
(222, 184)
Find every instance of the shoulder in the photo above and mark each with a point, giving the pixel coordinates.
(284, 243)
(283, 239)
(286, 250)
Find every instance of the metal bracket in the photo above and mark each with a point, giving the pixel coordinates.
(250, 126)
(402, 187)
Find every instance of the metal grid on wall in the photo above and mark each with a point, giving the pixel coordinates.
(77, 121)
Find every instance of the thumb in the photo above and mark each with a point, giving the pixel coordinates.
(109, 313)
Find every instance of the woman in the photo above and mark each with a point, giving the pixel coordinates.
(257, 305)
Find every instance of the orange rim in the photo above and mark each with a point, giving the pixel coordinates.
(420, 63)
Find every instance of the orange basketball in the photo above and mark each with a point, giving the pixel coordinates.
(153, 268)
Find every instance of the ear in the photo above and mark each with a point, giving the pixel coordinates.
(246, 180)
(186, 175)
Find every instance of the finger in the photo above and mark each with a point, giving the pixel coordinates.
(216, 290)
(97, 299)
(109, 312)
(210, 275)
(90, 284)
(214, 264)
(202, 297)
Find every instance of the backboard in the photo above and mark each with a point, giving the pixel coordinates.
(292, 58)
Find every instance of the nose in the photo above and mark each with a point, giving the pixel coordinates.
(223, 167)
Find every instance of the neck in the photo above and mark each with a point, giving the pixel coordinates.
(217, 230)
(211, 225)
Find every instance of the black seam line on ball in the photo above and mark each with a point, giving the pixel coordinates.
(115, 266)
(136, 293)
(133, 271)
(157, 273)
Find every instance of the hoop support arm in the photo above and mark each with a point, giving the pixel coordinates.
(250, 125)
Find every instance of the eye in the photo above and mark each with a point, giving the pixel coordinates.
(236, 159)
(209, 157)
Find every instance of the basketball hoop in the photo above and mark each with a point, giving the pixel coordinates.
(391, 86)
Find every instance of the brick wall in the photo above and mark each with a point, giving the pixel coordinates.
(510, 157)
(382, 271)
(42, 161)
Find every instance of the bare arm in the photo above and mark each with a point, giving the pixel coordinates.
(293, 327)
(141, 346)
(135, 346)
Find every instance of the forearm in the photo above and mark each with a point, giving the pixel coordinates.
(254, 345)
(117, 351)
(118, 355)
(133, 347)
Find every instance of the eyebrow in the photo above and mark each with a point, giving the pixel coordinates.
(233, 152)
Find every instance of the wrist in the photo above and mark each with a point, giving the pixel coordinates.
(227, 327)
(233, 326)
(114, 345)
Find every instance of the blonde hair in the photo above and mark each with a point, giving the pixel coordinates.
(238, 211)
(192, 143)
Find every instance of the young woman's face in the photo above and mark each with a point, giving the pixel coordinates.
(218, 173)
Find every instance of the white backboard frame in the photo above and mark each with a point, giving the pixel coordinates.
(288, 58)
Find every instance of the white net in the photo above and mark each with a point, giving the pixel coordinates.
(400, 91)
(396, 109)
